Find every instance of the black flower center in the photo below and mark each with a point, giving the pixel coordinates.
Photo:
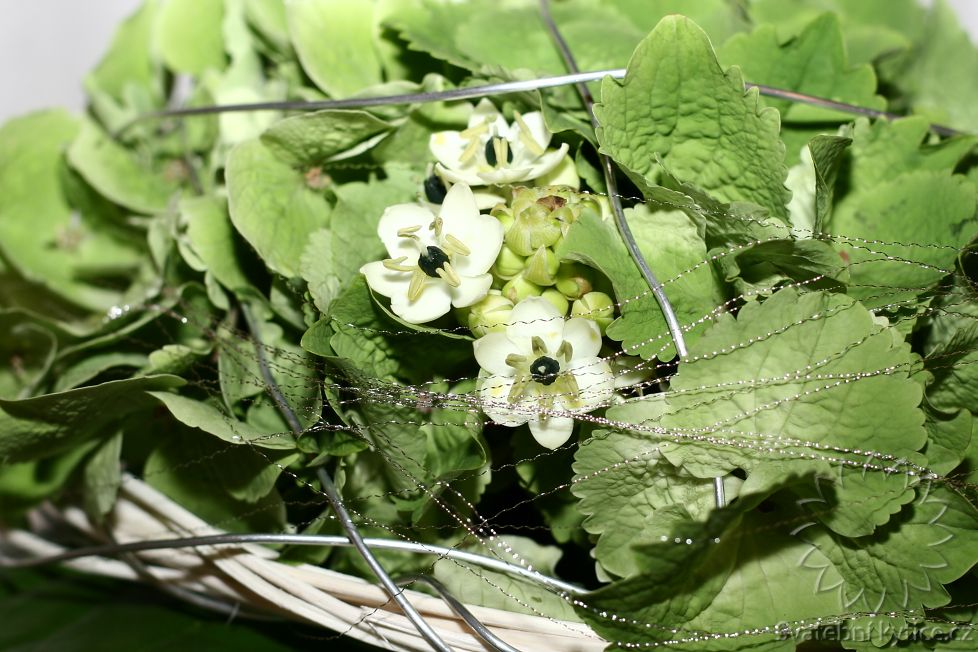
(432, 261)
(544, 370)
(434, 189)
(491, 152)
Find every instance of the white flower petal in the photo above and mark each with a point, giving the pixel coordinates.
(595, 382)
(551, 432)
(447, 147)
(469, 176)
(548, 162)
(538, 128)
(491, 351)
(471, 289)
(484, 111)
(493, 395)
(486, 198)
(584, 337)
(435, 301)
(504, 175)
(385, 281)
(482, 234)
(402, 216)
(535, 317)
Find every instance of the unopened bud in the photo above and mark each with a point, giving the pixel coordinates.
(596, 306)
(558, 300)
(574, 280)
(519, 288)
(508, 264)
(491, 315)
(504, 214)
(541, 267)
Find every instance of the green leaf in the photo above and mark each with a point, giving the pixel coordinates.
(718, 18)
(943, 93)
(333, 257)
(759, 268)
(114, 171)
(696, 575)
(88, 368)
(44, 425)
(454, 437)
(212, 237)
(220, 493)
(474, 585)
(335, 43)
(902, 216)
(60, 610)
(871, 27)
(948, 437)
(197, 414)
(621, 482)
(29, 348)
(102, 477)
(40, 235)
(189, 35)
(728, 145)
(760, 391)
(813, 63)
(271, 206)
(671, 242)
(312, 139)
(827, 158)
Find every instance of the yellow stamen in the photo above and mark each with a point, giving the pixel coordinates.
(566, 351)
(437, 226)
(447, 273)
(397, 265)
(456, 245)
(539, 348)
(569, 391)
(417, 285)
(473, 132)
(519, 386)
(470, 151)
(501, 147)
(515, 360)
(409, 232)
(526, 136)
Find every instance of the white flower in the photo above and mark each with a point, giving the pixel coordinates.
(435, 261)
(542, 363)
(492, 152)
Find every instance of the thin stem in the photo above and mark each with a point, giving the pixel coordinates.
(672, 321)
(333, 496)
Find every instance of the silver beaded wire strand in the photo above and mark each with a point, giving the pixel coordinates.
(353, 537)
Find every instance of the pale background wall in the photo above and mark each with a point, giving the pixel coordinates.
(46, 47)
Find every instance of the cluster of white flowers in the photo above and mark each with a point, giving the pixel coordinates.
(537, 366)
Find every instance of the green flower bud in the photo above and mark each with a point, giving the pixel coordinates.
(574, 280)
(519, 288)
(491, 315)
(596, 306)
(541, 267)
(542, 215)
(557, 299)
(504, 214)
(508, 264)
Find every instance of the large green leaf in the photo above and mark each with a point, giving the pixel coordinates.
(315, 138)
(272, 207)
(671, 243)
(189, 35)
(335, 43)
(676, 103)
(40, 236)
(44, 425)
(60, 610)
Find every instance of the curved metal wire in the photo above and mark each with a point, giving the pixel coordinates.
(336, 502)
(461, 611)
(112, 550)
(499, 88)
(672, 321)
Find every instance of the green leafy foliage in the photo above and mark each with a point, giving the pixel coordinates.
(729, 146)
